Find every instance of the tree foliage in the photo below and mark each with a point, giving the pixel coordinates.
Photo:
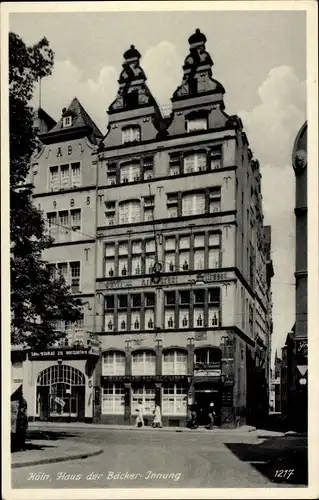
(37, 298)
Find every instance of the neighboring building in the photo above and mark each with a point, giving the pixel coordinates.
(275, 385)
(160, 231)
(295, 380)
(182, 254)
(63, 173)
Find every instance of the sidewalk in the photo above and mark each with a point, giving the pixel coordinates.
(47, 451)
(245, 429)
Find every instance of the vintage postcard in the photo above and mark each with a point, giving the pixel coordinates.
(160, 247)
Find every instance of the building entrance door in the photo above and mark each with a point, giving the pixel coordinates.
(205, 394)
(61, 393)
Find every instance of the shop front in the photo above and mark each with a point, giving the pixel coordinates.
(60, 384)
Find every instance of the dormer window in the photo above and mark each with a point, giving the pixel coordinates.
(131, 134)
(194, 124)
(67, 121)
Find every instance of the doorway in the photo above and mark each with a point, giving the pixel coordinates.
(61, 393)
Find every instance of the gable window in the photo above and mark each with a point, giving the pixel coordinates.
(130, 212)
(196, 124)
(196, 162)
(67, 121)
(131, 134)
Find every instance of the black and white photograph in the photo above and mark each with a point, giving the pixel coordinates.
(158, 219)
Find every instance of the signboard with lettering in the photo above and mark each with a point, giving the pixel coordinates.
(145, 378)
(180, 279)
(302, 348)
(60, 353)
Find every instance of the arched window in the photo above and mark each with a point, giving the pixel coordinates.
(113, 363)
(129, 212)
(61, 374)
(143, 363)
(175, 362)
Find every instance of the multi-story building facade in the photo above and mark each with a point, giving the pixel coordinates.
(295, 352)
(160, 231)
(183, 298)
(63, 175)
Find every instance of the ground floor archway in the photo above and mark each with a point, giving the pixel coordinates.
(60, 393)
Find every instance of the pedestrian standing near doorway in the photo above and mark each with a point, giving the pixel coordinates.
(211, 416)
(157, 422)
(140, 418)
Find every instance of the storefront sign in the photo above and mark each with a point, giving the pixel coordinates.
(145, 378)
(182, 279)
(59, 353)
(207, 373)
(302, 348)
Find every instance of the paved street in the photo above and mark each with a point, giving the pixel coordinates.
(162, 459)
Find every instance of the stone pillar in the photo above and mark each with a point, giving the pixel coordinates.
(190, 359)
(127, 403)
(159, 354)
(128, 361)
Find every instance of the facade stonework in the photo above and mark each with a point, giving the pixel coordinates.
(175, 266)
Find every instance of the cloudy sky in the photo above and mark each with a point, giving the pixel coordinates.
(259, 57)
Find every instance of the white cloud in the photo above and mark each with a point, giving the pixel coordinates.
(273, 124)
(163, 67)
(67, 82)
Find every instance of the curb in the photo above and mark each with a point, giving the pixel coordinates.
(64, 458)
(217, 431)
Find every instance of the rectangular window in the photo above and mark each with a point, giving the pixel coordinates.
(196, 124)
(143, 363)
(113, 363)
(196, 162)
(149, 255)
(110, 213)
(148, 166)
(75, 276)
(184, 253)
(172, 205)
(215, 158)
(175, 363)
(109, 267)
(214, 251)
(113, 399)
(65, 176)
(175, 164)
(76, 219)
(149, 311)
(148, 208)
(174, 399)
(146, 395)
(199, 251)
(170, 301)
(136, 257)
(64, 225)
(193, 204)
(170, 249)
(214, 307)
(131, 134)
(52, 224)
(130, 173)
(129, 212)
(54, 179)
(123, 258)
(215, 200)
(63, 271)
(75, 174)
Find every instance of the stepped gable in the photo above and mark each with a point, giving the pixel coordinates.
(197, 69)
(80, 120)
(133, 93)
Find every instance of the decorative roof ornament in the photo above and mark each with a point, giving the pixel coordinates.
(197, 70)
(133, 92)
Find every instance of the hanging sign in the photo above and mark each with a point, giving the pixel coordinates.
(303, 369)
(60, 402)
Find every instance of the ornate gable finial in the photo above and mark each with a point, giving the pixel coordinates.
(133, 91)
(197, 70)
